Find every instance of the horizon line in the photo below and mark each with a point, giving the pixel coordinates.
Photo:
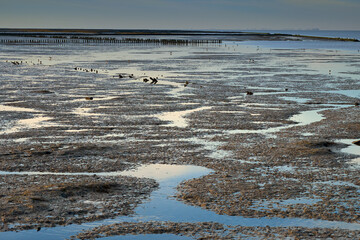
(174, 29)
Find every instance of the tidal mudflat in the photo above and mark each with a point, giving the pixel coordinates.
(229, 141)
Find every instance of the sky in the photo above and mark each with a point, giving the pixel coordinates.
(182, 14)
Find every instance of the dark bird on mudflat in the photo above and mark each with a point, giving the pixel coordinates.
(153, 80)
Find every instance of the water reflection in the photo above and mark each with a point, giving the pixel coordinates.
(37, 122)
(354, 93)
(161, 202)
(301, 119)
(85, 112)
(159, 172)
(351, 149)
(111, 61)
(164, 172)
(178, 118)
(6, 108)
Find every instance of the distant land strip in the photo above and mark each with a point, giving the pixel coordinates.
(209, 35)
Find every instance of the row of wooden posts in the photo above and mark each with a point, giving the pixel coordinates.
(109, 40)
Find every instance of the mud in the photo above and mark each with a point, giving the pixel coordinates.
(46, 201)
(211, 230)
(296, 170)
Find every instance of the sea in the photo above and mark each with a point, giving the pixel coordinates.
(306, 44)
(310, 44)
(317, 33)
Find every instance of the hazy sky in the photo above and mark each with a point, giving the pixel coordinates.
(181, 14)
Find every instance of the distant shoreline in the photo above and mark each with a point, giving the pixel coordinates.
(219, 35)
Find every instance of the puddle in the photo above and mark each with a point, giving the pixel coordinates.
(37, 122)
(163, 207)
(296, 99)
(21, 140)
(302, 119)
(163, 172)
(356, 161)
(6, 108)
(285, 168)
(77, 130)
(211, 146)
(85, 112)
(351, 149)
(354, 93)
(178, 119)
(236, 112)
(177, 87)
(308, 117)
(159, 172)
(161, 202)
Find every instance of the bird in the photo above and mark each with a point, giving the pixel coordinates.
(153, 80)
(145, 80)
(249, 93)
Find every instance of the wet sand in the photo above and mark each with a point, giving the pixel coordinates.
(278, 153)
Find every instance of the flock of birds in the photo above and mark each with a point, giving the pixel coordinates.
(39, 62)
(16, 62)
(86, 70)
(151, 80)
